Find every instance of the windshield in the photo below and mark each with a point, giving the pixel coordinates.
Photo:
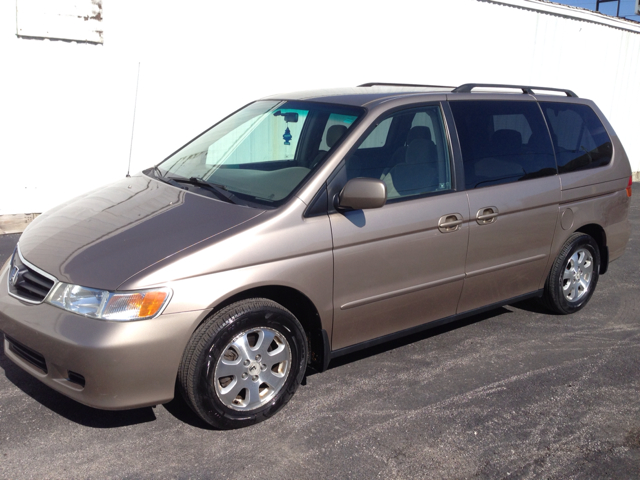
(262, 153)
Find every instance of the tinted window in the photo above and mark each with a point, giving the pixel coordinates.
(421, 119)
(415, 157)
(378, 137)
(502, 142)
(336, 126)
(579, 138)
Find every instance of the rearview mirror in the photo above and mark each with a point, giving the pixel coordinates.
(362, 193)
(289, 117)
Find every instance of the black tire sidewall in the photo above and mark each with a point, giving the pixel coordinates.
(560, 303)
(208, 404)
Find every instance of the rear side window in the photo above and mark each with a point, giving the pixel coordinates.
(502, 142)
(579, 138)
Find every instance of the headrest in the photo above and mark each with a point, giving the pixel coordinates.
(418, 132)
(334, 133)
(507, 141)
(419, 151)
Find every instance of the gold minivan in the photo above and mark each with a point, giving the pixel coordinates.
(309, 225)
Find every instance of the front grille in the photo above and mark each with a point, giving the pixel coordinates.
(26, 282)
(27, 354)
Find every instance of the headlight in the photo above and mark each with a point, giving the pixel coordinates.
(119, 306)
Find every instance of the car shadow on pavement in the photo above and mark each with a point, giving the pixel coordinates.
(182, 412)
(533, 305)
(67, 408)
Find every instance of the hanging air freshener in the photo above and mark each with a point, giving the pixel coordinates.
(287, 136)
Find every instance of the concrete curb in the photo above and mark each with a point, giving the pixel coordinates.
(15, 223)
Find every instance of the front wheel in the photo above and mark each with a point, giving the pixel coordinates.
(574, 275)
(243, 364)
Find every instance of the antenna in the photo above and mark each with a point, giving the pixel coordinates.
(135, 104)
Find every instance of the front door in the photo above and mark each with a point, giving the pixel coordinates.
(401, 265)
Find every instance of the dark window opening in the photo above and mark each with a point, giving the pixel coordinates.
(502, 142)
(579, 139)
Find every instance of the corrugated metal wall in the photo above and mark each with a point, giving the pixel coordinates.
(67, 107)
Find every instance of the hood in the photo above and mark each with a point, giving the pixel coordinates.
(101, 239)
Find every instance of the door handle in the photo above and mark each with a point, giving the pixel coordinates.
(450, 222)
(487, 215)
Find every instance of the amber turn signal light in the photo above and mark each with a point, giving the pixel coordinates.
(152, 303)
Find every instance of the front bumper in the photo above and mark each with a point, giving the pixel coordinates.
(102, 364)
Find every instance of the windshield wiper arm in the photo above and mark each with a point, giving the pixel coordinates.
(219, 190)
(159, 176)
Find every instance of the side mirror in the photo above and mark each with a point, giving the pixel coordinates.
(361, 193)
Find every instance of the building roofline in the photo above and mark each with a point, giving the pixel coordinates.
(574, 13)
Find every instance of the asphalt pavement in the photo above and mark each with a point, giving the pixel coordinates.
(513, 393)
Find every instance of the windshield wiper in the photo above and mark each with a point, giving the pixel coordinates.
(157, 173)
(219, 190)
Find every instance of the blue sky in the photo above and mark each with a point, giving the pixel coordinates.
(626, 7)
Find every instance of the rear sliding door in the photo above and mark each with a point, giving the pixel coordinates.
(513, 191)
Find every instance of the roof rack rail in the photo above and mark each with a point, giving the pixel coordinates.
(381, 84)
(467, 87)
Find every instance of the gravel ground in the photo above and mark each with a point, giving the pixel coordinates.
(515, 393)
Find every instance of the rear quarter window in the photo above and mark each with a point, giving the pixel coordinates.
(579, 139)
(502, 142)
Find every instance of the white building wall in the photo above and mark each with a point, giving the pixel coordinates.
(67, 108)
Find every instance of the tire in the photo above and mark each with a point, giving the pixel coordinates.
(574, 275)
(243, 364)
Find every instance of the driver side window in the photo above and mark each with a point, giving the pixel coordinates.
(413, 158)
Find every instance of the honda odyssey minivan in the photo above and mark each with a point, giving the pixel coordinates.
(309, 225)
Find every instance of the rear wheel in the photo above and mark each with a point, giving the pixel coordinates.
(243, 364)
(574, 275)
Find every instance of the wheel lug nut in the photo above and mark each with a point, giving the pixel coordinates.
(254, 378)
(244, 375)
(258, 357)
(264, 366)
(246, 363)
